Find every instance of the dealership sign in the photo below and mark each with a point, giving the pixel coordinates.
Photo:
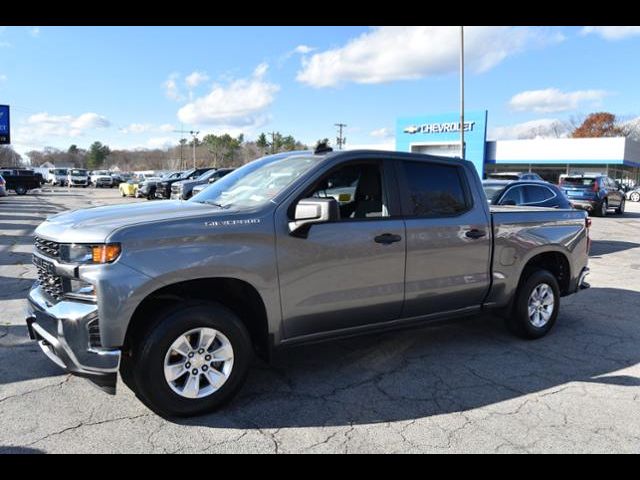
(445, 127)
(5, 126)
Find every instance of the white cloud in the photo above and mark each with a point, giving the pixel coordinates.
(303, 49)
(541, 128)
(382, 133)
(240, 102)
(612, 33)
(5, 44)
(137, 128)
(386, 54)
(3, 78)
(554, 100)
(161, 142)
(34, 32)
(196, 78)
(171, 89)
(39, 128)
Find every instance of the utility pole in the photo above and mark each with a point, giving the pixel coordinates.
(462, 152)
(273, 141)
(194, 134)
(341, 140)
(182, 131)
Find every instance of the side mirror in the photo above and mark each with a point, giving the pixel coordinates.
(313, 210)
(511, 203)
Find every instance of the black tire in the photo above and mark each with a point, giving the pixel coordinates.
(601, 211)
(634, 197)
(621, 208)
(518, 321)
(21, 190)
(148, 354)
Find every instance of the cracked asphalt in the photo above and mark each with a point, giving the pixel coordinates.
(465, 386)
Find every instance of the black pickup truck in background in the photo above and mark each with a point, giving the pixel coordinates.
(21, 180)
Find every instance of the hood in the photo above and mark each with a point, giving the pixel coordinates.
(94, 225)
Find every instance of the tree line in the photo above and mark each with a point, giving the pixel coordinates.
(212, 150)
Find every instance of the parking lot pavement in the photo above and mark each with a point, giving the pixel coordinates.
(466, 386)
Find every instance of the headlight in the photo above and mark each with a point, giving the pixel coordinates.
(90, 254)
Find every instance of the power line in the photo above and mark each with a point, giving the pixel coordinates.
(182, 142)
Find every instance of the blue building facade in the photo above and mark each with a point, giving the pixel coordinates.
(440, 135)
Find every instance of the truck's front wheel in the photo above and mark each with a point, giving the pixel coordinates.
(536, 305)
(192, 360)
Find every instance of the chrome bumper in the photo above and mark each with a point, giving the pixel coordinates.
(62, 333)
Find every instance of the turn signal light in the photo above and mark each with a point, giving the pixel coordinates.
(105, 253)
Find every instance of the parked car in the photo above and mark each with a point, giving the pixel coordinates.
(78, 177)
(634, 194)
(514, 176)
(128, 188)
(20, 180)
(179, 295)
(183, 190)
(58, 176)
(102, 179)
(525, 192)
(3, 189)
(147, 188)
(163, 189)
(221, 172)
(594, 193)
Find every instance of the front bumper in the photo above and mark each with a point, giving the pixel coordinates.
(62, 332)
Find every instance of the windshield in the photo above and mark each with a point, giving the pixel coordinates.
(492, 191)
(60, 171)
(78, 172)
(257, 182)
(206, 175)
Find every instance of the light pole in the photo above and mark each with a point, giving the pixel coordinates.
(462, 152)
(195, 137)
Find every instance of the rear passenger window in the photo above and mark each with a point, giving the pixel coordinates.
(514, 194)
(434, 190)
(535, 194)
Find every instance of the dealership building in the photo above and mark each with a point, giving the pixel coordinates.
(617, 157)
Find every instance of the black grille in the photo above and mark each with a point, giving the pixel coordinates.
(48, 248)
(94, 334)
(51, 284)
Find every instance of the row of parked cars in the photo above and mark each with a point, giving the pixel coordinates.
(595, 193)
(178, 185)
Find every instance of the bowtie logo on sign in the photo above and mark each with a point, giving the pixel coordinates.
(446, 127)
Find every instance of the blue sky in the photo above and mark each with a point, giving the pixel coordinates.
(132, 86)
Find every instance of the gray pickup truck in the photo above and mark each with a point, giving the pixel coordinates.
(291, 248)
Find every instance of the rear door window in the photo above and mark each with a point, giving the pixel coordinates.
(433, 190)
(513, 194)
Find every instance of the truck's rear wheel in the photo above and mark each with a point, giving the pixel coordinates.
(20, 190)
(192, 360)
(536, 305)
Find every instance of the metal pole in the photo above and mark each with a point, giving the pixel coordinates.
(462, 152)
(195, 137)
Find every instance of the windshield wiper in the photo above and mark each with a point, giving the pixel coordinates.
(219, 205)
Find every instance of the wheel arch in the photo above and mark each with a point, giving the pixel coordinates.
(235, 294)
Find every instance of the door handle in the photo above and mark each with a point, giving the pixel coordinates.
(387, 238)
(475, 233)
